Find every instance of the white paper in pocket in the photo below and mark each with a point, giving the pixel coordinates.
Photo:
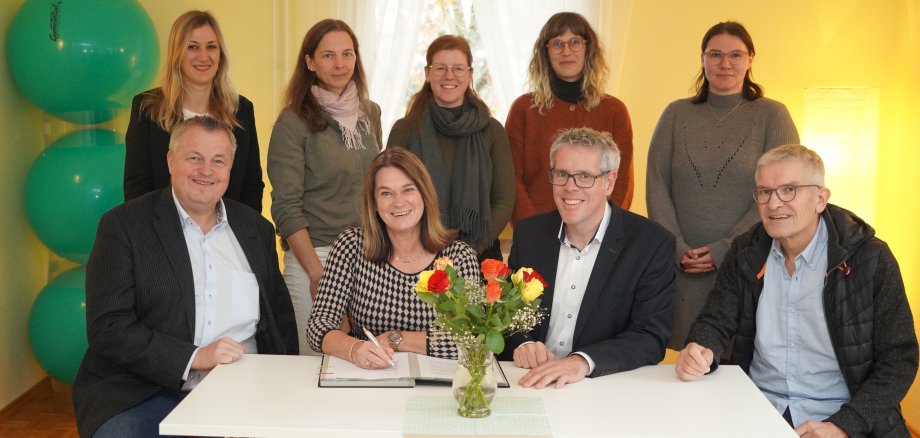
(245, 296)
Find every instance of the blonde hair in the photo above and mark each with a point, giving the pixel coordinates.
(165, 103)
(540, 71)
(434, 236)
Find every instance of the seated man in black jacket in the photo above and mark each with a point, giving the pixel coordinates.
(178, 281)
(816, 306)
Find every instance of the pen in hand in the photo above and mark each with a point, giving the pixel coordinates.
(372, 338)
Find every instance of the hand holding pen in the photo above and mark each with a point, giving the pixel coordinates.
(370, 363)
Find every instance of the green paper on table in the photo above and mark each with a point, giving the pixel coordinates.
(436, 416)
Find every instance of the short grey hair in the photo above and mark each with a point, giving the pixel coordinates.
(797, 152)
(208, 123)
(589, 139)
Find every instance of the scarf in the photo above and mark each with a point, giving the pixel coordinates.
(569, 92)
(465, 199)
(346, 111)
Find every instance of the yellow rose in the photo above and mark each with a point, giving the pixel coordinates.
(531, 290)
(518, 277)
(422, 285)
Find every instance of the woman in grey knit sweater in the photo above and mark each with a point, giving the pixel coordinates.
(701, 164)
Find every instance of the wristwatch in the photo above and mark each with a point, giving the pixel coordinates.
(395, 337)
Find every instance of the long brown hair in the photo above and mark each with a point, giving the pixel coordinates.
(165, 104)
(434, 236)
(298, 96)
(750, 90)
(419, 101)
(540, 71)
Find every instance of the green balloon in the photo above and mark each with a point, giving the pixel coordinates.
(82, 60)
(71, 184)
(57, 325)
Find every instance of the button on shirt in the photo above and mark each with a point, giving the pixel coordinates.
(226, 290)
(794, 363)
(572, 273)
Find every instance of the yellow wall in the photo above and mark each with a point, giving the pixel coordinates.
(800, 44)
(23, 259)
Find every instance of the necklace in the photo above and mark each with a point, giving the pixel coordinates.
(729, 113)
(412, 260)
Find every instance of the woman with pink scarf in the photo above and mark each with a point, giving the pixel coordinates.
(324, 138)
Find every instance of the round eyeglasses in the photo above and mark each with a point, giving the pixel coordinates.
(784, 193)
(583, 180)
(735, 57)
(576, 44)
(438, 70)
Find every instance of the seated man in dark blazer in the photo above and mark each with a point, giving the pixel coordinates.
(610, 272)
(178, 281)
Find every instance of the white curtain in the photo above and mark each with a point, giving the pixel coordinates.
(510, 27)
(388, 32)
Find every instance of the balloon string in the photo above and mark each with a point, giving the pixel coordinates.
(55, 8)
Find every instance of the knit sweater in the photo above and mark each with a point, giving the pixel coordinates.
(700, 178)
(531, 134)
(496, 143)
(316, 180)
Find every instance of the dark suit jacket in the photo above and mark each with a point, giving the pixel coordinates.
(625, 316)
(146, 144)
(140, 304)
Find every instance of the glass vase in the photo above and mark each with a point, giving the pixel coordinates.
(474, 381)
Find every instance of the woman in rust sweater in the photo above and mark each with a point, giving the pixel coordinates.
(567, 75)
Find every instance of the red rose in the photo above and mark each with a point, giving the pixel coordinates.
(438, 282)
(533, 275)
(493, 291)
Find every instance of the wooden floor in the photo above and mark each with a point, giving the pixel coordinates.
(44, 411)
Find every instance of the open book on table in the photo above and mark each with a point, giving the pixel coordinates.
(410, 367)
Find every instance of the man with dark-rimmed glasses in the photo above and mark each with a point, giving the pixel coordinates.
(610, 272)
(814, 308)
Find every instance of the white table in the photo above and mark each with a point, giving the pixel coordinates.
(277, 396)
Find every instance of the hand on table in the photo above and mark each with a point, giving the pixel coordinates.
(694, 361)
(223, 350)
(820, 429)
(531, 355)
(571, 369)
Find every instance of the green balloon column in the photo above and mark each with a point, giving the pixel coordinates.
(57, 324)
(80, 174)
(80, 61)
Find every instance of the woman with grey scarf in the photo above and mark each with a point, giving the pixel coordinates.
(465, 150)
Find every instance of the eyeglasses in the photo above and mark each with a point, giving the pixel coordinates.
(438, 70)
(576, 44)
(583, 180)
(735, 57)
(783, 193)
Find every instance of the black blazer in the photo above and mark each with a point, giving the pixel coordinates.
(625, 316)
(146, 144)
(140, 304)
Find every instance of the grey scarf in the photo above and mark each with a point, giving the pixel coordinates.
(465, 198)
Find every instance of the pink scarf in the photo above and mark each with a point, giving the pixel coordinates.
(346, 111)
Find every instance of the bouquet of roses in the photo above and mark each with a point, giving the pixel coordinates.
(476, 312)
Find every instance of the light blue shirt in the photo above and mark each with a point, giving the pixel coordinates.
(794, 362)
(226, 290)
